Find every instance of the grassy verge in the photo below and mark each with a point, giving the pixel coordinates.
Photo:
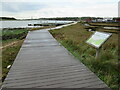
(14, 34)
(106, 68)
(10, 52)
(8, 56)
(8, 41)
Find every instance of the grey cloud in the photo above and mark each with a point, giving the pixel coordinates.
(21, 6)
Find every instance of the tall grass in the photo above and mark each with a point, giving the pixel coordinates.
(9, 53)
(8, 56)
(106, 68)
(11, 34)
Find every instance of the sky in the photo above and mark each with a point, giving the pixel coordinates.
(25, 9)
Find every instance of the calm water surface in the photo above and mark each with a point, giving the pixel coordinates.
(22, 24)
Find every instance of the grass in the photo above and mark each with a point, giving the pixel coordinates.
(14, 34)
(8, 56)
(106, 68)
(9, 53)
(8, 41)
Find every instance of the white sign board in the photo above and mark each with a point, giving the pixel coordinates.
(98, 38)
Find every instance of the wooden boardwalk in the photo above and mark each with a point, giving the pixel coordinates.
(43, 63)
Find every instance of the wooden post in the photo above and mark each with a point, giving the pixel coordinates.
(97, 53)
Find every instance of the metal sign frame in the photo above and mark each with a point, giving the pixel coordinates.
(102, 42)
(98, 48)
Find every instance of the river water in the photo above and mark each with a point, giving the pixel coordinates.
(24, 23)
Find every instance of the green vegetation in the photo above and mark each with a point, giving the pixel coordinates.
(62, 18)
(10, 51)
(107, 67)
(6, 42)
(8, 56)
(7, 18)
(10, 34)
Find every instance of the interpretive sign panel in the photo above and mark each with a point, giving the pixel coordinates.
(98, 38)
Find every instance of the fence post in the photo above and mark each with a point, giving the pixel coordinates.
(97, 53)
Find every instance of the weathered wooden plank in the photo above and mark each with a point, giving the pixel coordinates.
(47, 76)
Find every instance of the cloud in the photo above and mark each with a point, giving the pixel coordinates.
(60, 8)
(95, 10)
(60, 1)
(21, 6)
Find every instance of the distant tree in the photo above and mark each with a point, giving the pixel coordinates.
(62, 18)
(7, 18)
